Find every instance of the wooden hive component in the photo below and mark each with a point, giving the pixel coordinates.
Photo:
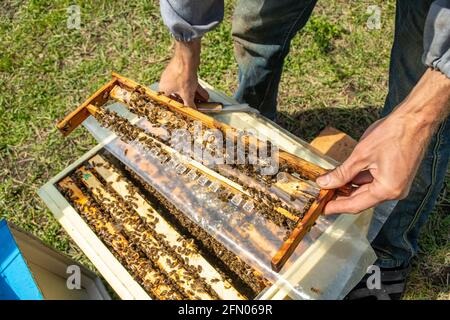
(76, 117)
(312, 171)
(334, 143)
(288, 247)
(119, 243)
(223, 288)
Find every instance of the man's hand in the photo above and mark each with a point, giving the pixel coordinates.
(386, 159)
(180, 75)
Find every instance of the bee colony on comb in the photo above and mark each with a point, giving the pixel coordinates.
(188, 227)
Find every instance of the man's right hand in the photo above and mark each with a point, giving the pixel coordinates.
(180, 75)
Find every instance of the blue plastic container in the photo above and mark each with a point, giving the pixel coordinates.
(16, 280)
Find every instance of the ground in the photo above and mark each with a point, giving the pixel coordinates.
(336, 74)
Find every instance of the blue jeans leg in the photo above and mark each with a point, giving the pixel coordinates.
(262, 31)
(396, 243)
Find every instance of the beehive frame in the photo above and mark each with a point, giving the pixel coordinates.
(119, 83)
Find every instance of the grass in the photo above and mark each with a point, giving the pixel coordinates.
(336, 74)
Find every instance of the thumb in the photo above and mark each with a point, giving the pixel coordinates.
(341, 175)
(188, 99)
(201, 94)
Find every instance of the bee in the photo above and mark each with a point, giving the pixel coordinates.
(315, 290)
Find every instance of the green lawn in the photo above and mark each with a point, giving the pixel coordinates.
(335, 75)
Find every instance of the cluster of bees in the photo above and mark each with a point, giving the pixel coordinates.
(235, 270)
(155, 246)
(139, 247)
(157, 284)
(266, 202)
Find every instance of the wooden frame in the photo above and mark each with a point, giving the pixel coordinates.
(114, 89)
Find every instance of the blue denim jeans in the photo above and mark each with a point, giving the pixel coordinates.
(262, 32)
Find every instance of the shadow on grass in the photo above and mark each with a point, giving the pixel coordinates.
(308, 123)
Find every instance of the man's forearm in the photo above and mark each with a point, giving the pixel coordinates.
(428, 104)
(188, 53)
(388, 155)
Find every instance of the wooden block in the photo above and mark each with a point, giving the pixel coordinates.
(334, 143)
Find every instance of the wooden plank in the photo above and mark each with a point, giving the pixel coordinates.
(164, 260)
(334, 143)
(288, 247)
(222, 287)
(76, 117)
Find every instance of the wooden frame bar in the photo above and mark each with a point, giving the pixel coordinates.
(76, 117)
(303, 227)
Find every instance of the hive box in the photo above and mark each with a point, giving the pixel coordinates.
(330, 266)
